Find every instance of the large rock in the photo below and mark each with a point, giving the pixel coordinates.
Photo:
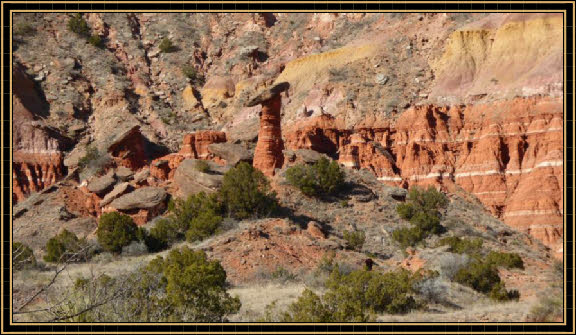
(268, 155)
(195, 145)
(102, 185)
(127, 148)
(231, 153)
(142, 198)
(118, 190)
(189, 179)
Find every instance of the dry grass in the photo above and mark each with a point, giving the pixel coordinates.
(255, 298)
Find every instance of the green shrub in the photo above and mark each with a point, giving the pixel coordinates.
(246, 193)
(164, 233)
(184, 286)
(24, 29)
(407, 237)
(423, 209)
(116, 231)
(203, 225)
(78, 25)
(167, 46)
(22, 256)
(195, 218)
(322, 177)
(96, 41)
(202, 166)
(308, 308)
(64, 247)
(507, 260)
(356, 297)
(483, 277)
(191, 73)
(195, 288)
(462, 246)
(355, 239)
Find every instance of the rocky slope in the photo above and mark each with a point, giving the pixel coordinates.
(413, 98)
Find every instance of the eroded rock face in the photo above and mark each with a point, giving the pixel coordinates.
(268, 154)
(38, 159)
(195, 145)
(508, 154)
(128, 149)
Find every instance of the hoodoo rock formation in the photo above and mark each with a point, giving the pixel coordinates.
(269, 149)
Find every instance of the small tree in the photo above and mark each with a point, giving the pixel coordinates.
(355, 239)
(96, 41)
(195, 288)
(63, 247)
(166, 45)
(423, 210)
(192, 74)
(78, 25)
(322, 177)
(22, 256)
(246, 193)
(116, 231)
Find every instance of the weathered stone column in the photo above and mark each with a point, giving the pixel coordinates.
(269, 148)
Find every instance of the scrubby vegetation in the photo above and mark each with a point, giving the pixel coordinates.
(182, 287)
(321, 178)
(246, 193)
(462, 246)
(167, 46)
(96, 41)
(64, 247)
(354, 297)
(355, 239)
(116, 231)
(423, 210)
(78, 25)
(24, 29)
(22, 256)
(192, 74)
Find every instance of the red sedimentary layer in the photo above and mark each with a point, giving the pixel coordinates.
(268, 153)
(509, 154)
(37, 159)
(194, 145)
(128, 151)
(34, 172)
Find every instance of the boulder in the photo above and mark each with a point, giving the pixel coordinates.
(141, 176)
(142, 198)
(123, 173)
(118, 190)
(102, 185)
(190, 180)
(231, 153)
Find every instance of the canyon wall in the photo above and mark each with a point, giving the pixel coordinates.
(508, 154)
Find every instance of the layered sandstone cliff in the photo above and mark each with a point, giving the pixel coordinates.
(509, 154)
(37, 154)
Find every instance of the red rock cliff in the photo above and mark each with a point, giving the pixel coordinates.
(37, 157)
(509, 154)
